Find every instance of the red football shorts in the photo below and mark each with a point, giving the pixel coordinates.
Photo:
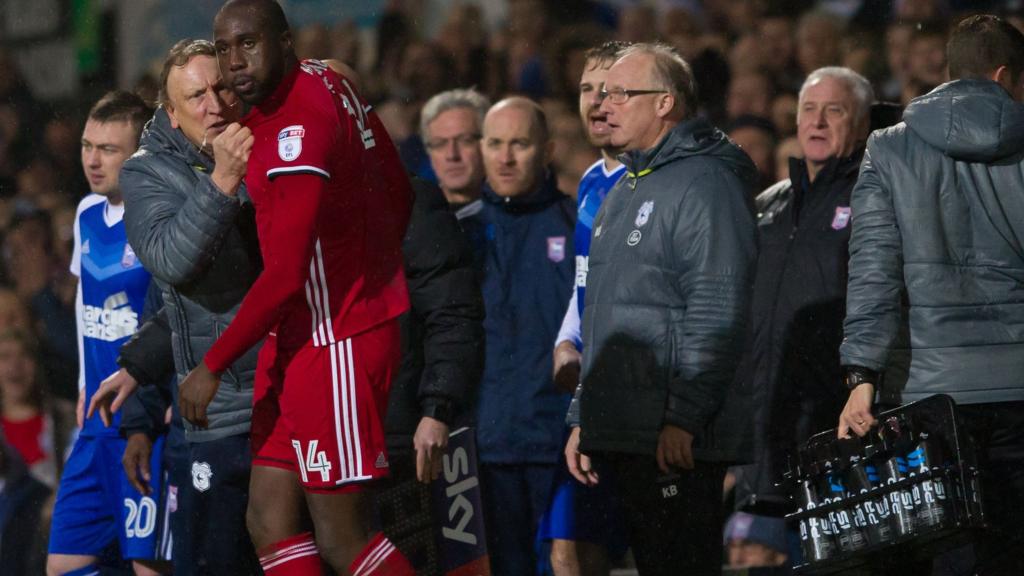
(319, 410)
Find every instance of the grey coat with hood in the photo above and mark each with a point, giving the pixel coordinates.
(200, 245)
(936, 291)
(668, 293)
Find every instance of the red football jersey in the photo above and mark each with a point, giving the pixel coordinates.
(332, 202)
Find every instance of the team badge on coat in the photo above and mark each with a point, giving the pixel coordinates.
(201, 474)
(556, 248)
(842, 217)
(644, 213)
(289, 142)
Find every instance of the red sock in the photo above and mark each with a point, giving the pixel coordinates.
(294, 556)
(381, 558)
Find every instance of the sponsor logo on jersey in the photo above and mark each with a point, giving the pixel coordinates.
(644, 213)
(111, 322)
(201, 474)
(381, 462)
(582, 268)
(289, 142)
(556, 248)
(842, 217)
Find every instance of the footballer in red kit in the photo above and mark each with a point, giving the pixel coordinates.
(332, 203)
(314, 166)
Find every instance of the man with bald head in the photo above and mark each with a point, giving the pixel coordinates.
(332, 203)
(671, 266)
(526, 279)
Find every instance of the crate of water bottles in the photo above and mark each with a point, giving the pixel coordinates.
(909, 488)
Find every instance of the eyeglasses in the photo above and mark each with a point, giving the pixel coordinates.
(620, 95)
(462, 141)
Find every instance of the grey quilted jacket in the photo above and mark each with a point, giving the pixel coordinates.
(672, 264)
(200, 245)
(936, 287)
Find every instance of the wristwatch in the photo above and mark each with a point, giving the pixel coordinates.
(856, 375)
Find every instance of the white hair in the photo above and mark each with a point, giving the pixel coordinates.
(459, 98)
(863, 93)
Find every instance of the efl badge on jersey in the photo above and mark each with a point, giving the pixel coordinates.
(128, 258)
(289, 142)
(556, 248)
(644, 213)
(842, 217)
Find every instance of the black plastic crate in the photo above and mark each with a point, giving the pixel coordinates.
(926, 482)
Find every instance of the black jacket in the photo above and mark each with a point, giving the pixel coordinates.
(671, 267)
(791, 364)
(200, 246)
(442, 333)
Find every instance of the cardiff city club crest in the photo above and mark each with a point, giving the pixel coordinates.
(289, 142)
(644, 213)
(128, 258)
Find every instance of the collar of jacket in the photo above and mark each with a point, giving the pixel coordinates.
(688, 138)
(539, 199)
(835, 169)
(160, 136)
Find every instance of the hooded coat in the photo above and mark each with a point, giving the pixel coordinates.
(672, 263)
(935, 298)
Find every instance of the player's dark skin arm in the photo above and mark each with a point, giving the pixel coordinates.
(289, 251)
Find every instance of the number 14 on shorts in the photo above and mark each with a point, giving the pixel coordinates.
(312, 460)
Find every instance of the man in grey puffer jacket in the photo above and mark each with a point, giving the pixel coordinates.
(191, 225)
(935, 300)
(671, 269)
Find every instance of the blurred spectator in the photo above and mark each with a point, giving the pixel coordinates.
(756, 136)
(528, 28)
(920, 10)
(61, 148)
(746, 56)
(451, 124)
(755, 541)
(637, 23)
(783, 115)
(897, 48)
(37, 426)
(926, 60)
(464, 41)
(818, 40)
(313, 41)
(787, 148)
(43, 281)
(23, 509)
(750, 94)
(528, 228)
(776, 39)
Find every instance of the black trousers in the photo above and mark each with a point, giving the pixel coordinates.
(675, 521)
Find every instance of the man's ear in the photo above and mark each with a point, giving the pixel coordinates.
(549, 152)
(1004, 78)
(666, 103)
(170, 114)
(286, 39)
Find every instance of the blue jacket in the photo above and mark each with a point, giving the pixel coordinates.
(525, 259)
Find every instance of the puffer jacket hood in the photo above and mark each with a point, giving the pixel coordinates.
(969, 120)
(694, 137)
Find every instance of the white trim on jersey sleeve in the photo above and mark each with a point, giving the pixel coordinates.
(570, 329)
(274, 172)
(80, 325)
(76, 254)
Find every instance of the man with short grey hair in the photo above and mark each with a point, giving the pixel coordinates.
(450, 124)
(791, 364)
(670, 272)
